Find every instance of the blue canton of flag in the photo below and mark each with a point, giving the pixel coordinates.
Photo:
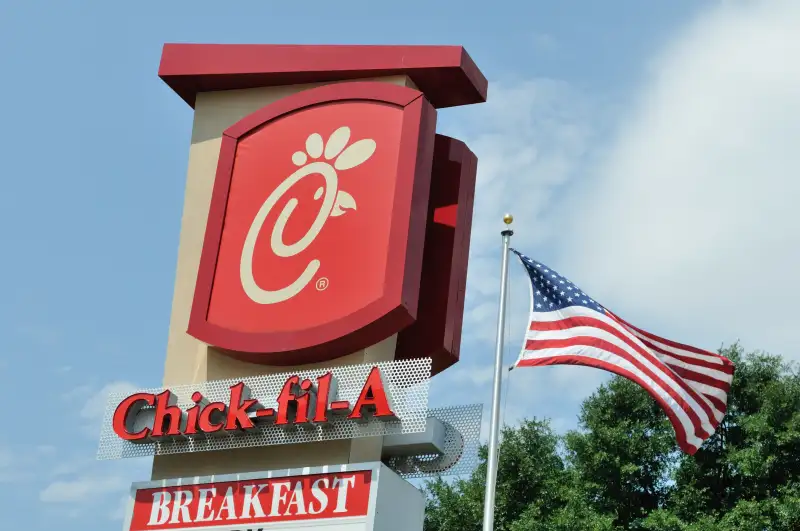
(552, 291)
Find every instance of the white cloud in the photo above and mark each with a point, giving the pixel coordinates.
(72, 466)
(479, 375)
(691, 226)
(531, 139)
(78, 483)
(118, 513)
(82, 489)
(683, 219)
(95, 406)
(90, 403)
(553, 392)
(77, 393)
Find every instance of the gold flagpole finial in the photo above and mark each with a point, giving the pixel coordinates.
(508, 219)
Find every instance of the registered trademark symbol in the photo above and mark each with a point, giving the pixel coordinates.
(322, 283)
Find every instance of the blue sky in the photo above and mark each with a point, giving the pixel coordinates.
(647, 150)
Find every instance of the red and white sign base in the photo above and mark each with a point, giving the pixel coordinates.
(361, 497)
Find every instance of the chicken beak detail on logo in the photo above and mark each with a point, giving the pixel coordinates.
(313, 246)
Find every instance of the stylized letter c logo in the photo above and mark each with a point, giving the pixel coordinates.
(262, 296)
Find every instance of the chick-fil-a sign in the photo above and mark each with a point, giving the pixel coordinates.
(248, 504)
(316, 228)
(301, 401)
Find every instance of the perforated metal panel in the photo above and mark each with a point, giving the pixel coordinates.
(461, 445)
(407, 383)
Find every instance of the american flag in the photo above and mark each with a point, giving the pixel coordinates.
(568, 327)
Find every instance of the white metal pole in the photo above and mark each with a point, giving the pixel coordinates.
(494, 426)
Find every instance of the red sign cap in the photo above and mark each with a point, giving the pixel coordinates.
(445, 74)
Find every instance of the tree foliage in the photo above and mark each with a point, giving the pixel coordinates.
(621, 469)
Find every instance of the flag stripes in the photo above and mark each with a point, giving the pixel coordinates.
(567, 327)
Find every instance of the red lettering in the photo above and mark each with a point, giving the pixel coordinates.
(237, 414)
(167, 412)
(300, 401)
(125, 413)
(193, 412)
(323, 395)
(191, 420)
(285, 399)
(373, 397)
(200, 418)
(205, 423)
(303, 402)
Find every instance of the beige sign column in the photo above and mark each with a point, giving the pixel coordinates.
(191, 361)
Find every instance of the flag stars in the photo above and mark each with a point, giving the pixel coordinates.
(554, 292)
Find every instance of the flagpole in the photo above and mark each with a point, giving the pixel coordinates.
(494, 425)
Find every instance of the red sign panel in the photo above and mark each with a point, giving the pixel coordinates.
(437, 331)
(315, 236)
(250, 503)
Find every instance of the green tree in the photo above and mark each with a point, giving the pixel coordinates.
(621, 469)
(755, 453)
(532, 481)
(622, 451)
